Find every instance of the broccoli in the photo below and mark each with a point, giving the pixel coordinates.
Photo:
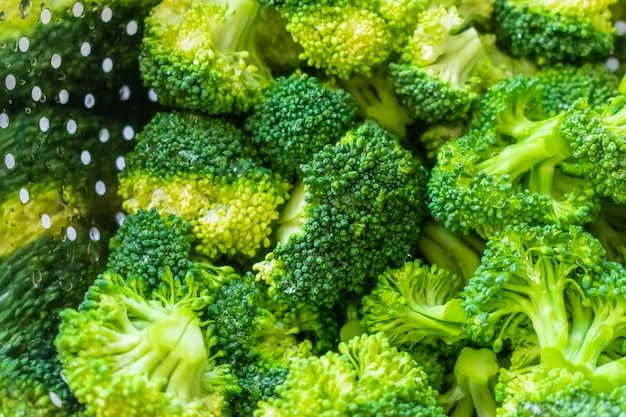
(553, 289)
(53, 161)
(431, 139)
(555, 31)
(558, 392)
(439, 72)
(277, 48)
(366, 377)
(356, 212)
(203, 56)
(203, 170)
(297, 117)
(416, 304)
(51, 49)
(262, 337)
(141, 343)
(508, 168)
(38, 280)
(597, 142)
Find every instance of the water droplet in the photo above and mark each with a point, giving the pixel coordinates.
(26, 6)
(61, 151)
(65, 284)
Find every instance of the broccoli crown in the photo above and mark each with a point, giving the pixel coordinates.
(558, 392)
(506, 168)
(200, 55)
(340, 37)
(563, 83)
(136, 349)
(65, 51)
(202, 170)
(597, 141)
(415, 304)
(37, 281)
(555, 31)
(440, 68)
(558, 286)
(364, 203)
(366, 377)
(297, 117)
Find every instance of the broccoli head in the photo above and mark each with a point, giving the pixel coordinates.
(202, 170)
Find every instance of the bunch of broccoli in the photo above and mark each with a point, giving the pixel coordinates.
(251, 208)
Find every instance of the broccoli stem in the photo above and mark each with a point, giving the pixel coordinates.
(463, 52)
(291, 218)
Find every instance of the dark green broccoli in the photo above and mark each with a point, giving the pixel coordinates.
(203, 55)
(440, 71)
(507, 168)
(555, 31)
(297, 117)
(367, 377)
(203, 170)
(357, 212)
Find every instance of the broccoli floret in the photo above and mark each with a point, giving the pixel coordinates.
(296, 118)
(472, 392)
(262, 337)
(436, 135)
(277, 48)
(460, 254)
(361, 206)
(61, 48)
(555, 31)
(366, 377)
(558, 286)
(565, 83)
(202, 170)
(558, 392)
(610, 229)
(596, 137)
(507, 168)
(37, 281)
(441, 67)
(203, 56)
(138, 349)
(416, 304)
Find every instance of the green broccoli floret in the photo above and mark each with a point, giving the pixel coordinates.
(296, 118)
(565, 83)
(596, 137)
(557, 287)
(138, 349)
(37, 281)
(472, 392)
(261, 337)
(610, 229)
(558, 392)
(555, 31)
(439, 72)
(277, 48)
(202, 170)
(437, 134)
(506, 168)
(203, 56)
(416, 304)
(460, 254)
(359, 211)
(366, 377)
(64, 48)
